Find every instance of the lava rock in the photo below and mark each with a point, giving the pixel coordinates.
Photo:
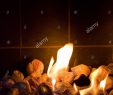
(82, 81)
(17, 76)
(63, 88)
(35, 68)
(111, 92)
(43, 89)
(81, 69)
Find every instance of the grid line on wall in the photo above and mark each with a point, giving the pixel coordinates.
(20, 28)
(58, 46)
(51, 46)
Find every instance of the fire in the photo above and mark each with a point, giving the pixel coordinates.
(93, 84)
(103, 83)
(50, 66)
(62, 62)
(63, 57)
(53, 83)
(75, 88)
(85, 91)
(94, 76)
(95, 87)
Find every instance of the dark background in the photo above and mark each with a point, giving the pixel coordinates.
(23, 23)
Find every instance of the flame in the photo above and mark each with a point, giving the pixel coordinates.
(95, 88)
(63, 57)
(50, 66)
(53, 83)
(75, 88)
(94, 75)
(103, 83)
(62, 62)
(86, 91)
(93, 83)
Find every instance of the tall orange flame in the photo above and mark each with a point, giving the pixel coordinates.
(62, 62)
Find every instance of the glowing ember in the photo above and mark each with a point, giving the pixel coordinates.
(62, 62)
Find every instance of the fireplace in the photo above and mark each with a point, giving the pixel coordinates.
(32, 34)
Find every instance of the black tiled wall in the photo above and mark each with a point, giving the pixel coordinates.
(24, 23)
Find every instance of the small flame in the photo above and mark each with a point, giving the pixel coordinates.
(95, 87)
(53, 83)
(75, 88)
(103, 83)
(86, 91)
(93, 78)
(62, 62)
(50, 66)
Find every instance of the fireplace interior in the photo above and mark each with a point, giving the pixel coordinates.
(37, 29)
